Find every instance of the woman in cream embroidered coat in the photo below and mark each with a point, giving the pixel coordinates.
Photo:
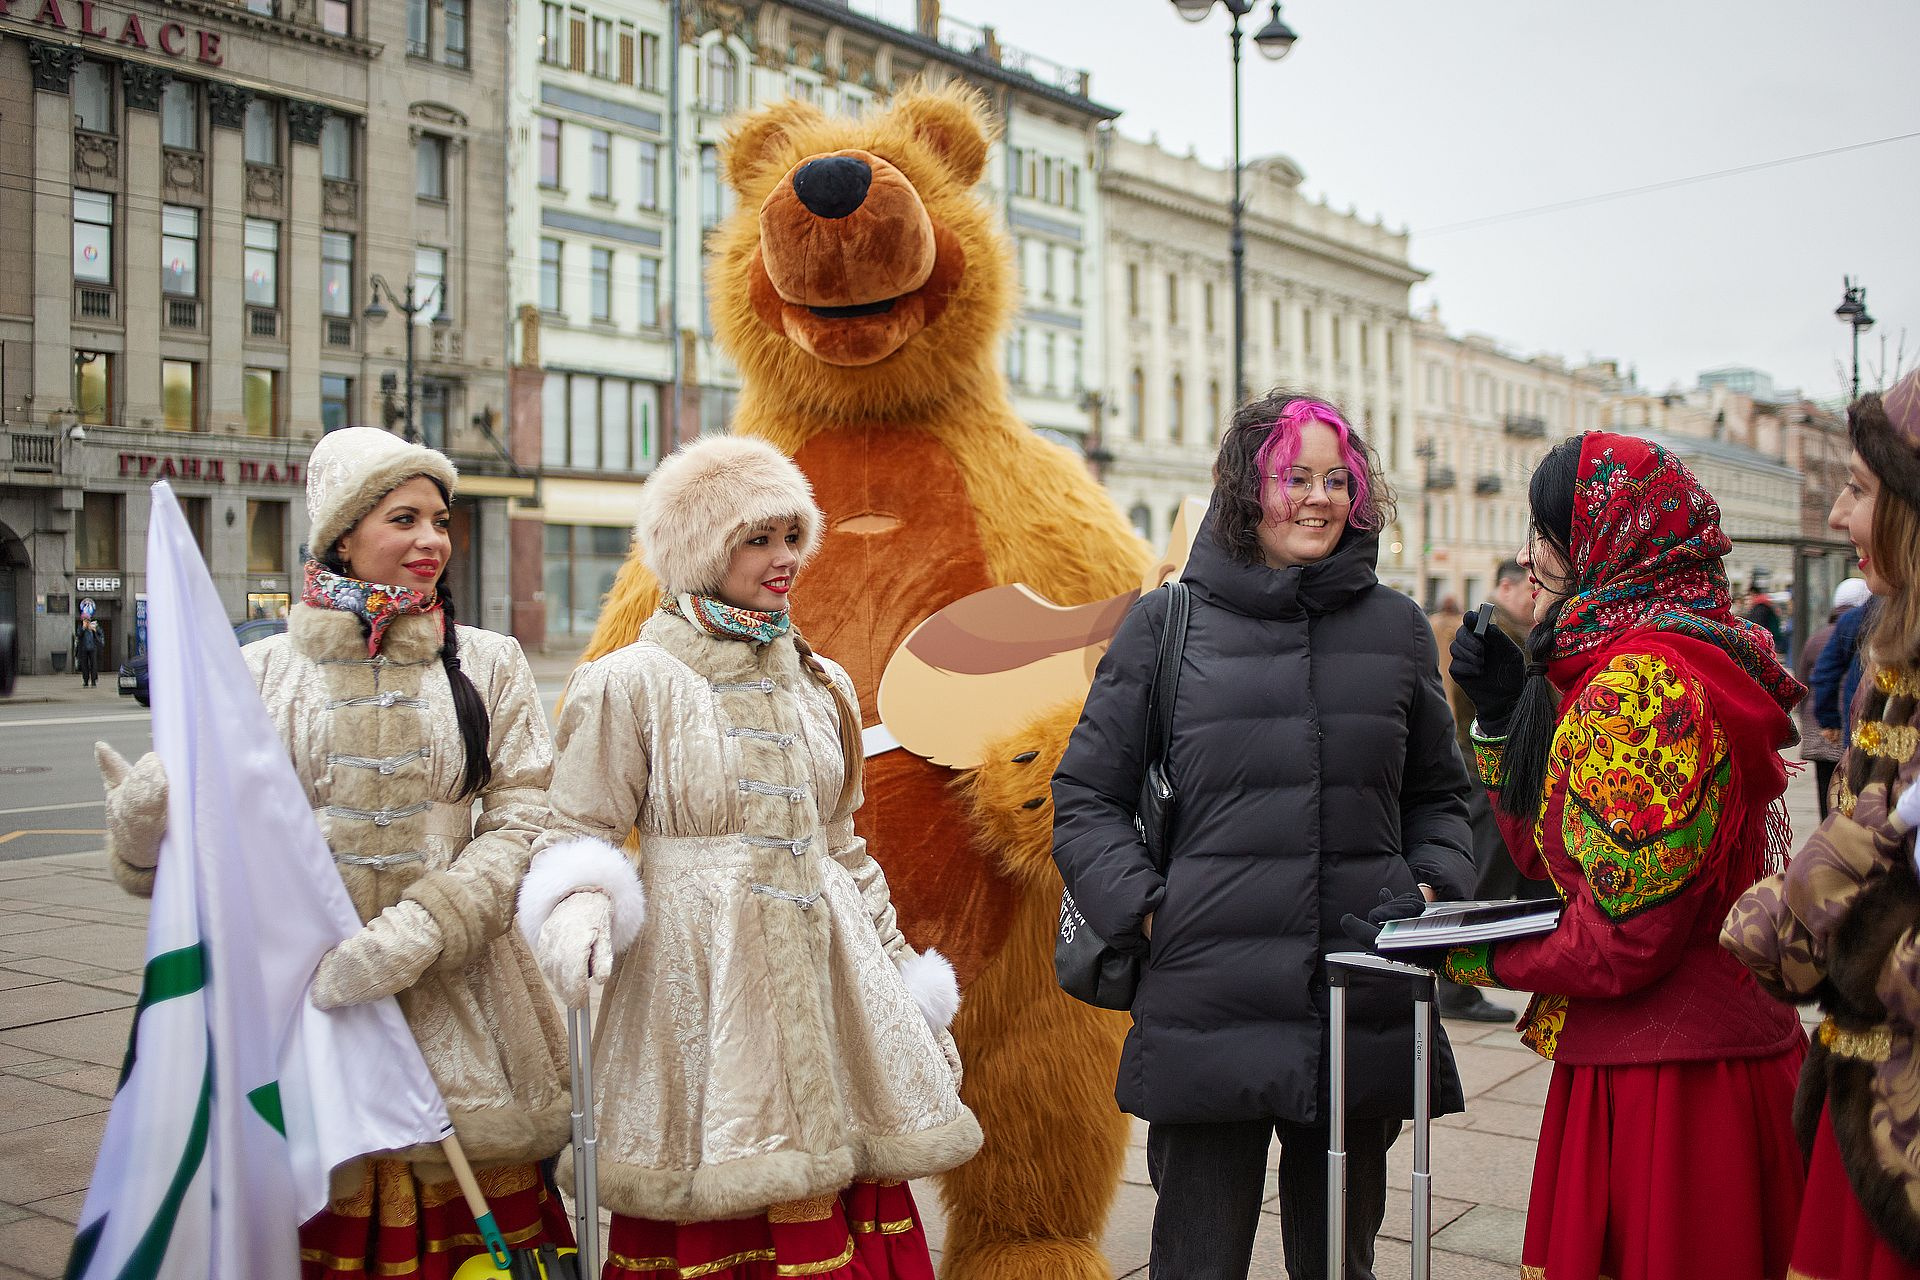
(772, 1051)
(363, 689)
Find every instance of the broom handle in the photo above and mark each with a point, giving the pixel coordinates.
(476, 1203)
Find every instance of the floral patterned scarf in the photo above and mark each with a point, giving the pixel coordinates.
(376, 605)
(723, 621)
(1647, 551)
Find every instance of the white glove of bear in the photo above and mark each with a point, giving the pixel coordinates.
(575, 947)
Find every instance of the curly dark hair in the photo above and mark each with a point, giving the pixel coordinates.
(1239, 509)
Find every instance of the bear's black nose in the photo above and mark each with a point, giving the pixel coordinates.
(832, 186)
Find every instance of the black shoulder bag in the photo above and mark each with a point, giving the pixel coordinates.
(1085, 965)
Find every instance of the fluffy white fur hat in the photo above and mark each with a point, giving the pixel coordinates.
(350, 470)
(697, 503)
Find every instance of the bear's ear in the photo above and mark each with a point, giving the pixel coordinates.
(952, 120)
(760, 137)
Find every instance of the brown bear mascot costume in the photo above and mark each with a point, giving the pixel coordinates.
(864, 287)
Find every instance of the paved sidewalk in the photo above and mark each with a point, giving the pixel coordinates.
(71, 945)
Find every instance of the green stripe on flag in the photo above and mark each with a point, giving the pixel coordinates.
(151, 1253)
(168, 975)
(266, 1100)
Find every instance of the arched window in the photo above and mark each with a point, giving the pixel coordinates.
(1137, 405)
(723, 78)
(1142, 520)
(1176, 409)
(1214, 422)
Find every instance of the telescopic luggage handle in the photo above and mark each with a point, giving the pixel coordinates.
(586, 1155)
(1341, 966)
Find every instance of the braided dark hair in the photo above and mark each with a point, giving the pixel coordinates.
(1537, 714)
(851, 745)
(469, 709)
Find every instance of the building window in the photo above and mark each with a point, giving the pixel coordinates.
(260, 400)
(93, 237)
(1133, 290)
(1277, 328)
(722, 78)
(180, 115)
(1141, 519)
(429, 282)
(1173, 298)
(577, 40)
(430, 167)
(93, 387)
(1366, 348)
(336, 402)
(616, 424)
(261, 133)
(602, 48)
(583, 422)
(266, 536)
(1137, 405)
(553, 35)
(262, 263)
(453, 18)
(549, 152)
(590, 422)
(1050, 361)
(1017, 358)
(549, 274)
(436, 400)
(92, 92)
(417, 46)
(1214, 424)
(649, 61)
(260, 6)
(336, 274)
(180, 395)
(580, 564)
(600, 164)
(337, 16)
(336, 148)
(179, 250)
(648, 294)
(600, 277)
(649, 188)
(1206, 305)
(97, 544)
(1176, 409)
(716, 200)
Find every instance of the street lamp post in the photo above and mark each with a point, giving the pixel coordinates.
(1273, 40)
(435, 301)
(1852, 312)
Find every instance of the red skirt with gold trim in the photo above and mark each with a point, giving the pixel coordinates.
(1666, 1171)
(396, 1225)
(1836, 1241)
(870, 1231)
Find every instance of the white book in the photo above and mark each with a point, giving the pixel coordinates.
(1460, 924)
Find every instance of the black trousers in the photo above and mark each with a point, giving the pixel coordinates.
(1210, 1179)
(1822, 779)
(90, 666)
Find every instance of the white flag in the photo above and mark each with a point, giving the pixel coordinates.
(238, 1097)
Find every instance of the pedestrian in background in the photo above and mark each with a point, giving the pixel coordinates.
(1820, 745)
(424, 751)
(1841, 925)
(87, 644)
(1313, 758)
(1762, 614)
(1836, 676)
(1634, 754)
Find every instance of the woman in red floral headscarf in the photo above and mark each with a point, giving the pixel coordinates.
(1633, 755)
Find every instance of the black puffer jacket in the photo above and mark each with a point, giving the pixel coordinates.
(1314, 758)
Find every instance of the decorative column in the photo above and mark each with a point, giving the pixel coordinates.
(226, 254)
(300, 259)
(143, 191)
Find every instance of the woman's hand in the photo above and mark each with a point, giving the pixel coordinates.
(1492, 671)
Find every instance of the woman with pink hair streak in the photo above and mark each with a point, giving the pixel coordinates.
(1313, 755)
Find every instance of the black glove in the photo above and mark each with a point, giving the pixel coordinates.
(1492, 671)
(1367, 932)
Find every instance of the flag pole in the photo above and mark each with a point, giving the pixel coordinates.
(476, 1203)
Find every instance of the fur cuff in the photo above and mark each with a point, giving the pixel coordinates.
(463, 927)
(573, 865)
(931, 982)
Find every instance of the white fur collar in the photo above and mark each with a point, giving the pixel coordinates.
(337, 636)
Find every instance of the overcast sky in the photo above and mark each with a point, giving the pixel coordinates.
(1432, 113)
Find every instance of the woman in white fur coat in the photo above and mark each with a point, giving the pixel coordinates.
(773, 1057)
(425, 755)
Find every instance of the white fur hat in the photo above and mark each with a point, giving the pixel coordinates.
(697, 502)
(350, 470)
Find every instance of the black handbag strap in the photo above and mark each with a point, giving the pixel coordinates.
(1166, 674)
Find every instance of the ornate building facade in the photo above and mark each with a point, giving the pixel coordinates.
(197, 196)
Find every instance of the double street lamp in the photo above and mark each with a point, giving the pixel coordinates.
(1273, 41)
(1852, 312)
(411, 307)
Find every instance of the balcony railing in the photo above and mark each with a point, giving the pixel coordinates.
(1526, 425)
(183, 313)
(339, 332)
(1441, 477)
(263, 322)
(33, 451)
(93, 302)
(1488, 483)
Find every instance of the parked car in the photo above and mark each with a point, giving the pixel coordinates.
(133, 672)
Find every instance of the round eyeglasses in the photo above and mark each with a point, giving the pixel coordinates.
(1337, 482)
